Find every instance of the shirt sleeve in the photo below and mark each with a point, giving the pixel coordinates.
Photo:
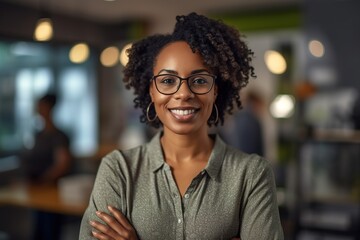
(107, 190)
(260, 215)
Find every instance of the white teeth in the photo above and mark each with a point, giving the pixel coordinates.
(183, 112)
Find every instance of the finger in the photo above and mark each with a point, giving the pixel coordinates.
(114, 227)
(102, 231)
(120, 217)
(101, 236)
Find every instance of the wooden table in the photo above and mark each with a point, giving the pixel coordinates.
(40, 197)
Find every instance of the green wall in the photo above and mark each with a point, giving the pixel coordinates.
(264, 20)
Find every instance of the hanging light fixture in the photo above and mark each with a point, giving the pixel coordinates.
(79, 53)
(109, 56)
(275, 62)
(123, 55)
(44, 26)
(43, 30)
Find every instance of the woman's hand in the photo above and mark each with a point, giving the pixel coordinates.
(117, 227)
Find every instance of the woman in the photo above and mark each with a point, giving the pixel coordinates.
(185, 183)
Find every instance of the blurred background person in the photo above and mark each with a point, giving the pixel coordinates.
(50, 157)
(48, 160)
(245, 130)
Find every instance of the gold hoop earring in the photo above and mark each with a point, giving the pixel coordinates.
(216, 114)
(147, 113)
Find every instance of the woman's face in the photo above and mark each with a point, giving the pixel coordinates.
(182, 112)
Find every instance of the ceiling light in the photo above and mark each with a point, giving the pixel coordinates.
(316, 48)
(282, 106)
(43, 30)
(124, 58)
(275, 62)
(109, 56)
(79, 53)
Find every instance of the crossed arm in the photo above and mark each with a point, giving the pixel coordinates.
(117, 227)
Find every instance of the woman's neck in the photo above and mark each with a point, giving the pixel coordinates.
(186, 148)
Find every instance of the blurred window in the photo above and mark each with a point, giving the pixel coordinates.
(29, 70)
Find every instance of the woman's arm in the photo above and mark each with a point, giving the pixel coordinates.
(108, 190)
(116, 226)
(260, 215)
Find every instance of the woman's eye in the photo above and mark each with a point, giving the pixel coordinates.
(199, 80)
(168, 80)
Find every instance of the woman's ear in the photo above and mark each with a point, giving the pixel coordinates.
(151, 89)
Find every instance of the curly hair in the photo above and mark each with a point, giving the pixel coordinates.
(222, 49)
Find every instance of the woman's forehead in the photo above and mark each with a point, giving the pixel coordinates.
(178, 56)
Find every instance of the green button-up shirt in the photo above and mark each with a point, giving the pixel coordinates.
(233, 196)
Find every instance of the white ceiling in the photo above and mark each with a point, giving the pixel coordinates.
(160, 13)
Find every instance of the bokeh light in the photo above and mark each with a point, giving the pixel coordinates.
(275, 62)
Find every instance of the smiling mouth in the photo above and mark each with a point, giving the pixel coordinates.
(185, 112)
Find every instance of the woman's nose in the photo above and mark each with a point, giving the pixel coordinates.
(184, 91)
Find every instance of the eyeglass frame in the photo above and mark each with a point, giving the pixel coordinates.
(187, 82)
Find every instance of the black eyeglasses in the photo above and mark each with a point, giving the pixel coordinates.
(168, 84)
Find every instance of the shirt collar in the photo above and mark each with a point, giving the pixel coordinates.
(216, 157)
(212, 168)
(155, 152)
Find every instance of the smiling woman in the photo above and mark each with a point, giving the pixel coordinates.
(185, 183)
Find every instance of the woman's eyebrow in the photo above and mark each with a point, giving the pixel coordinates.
(168, 71)
(200, 71)
(175, 72)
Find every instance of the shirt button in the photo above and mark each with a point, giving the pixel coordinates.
(186, 195)
(179, 220)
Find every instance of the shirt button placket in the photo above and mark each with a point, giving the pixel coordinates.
(180, 228)
(177, 203)
(179, 215)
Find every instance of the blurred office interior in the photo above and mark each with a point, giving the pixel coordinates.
(307, 67)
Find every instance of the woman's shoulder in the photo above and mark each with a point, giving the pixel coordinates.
(130, 155)
(142, 156)
(244, 160)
